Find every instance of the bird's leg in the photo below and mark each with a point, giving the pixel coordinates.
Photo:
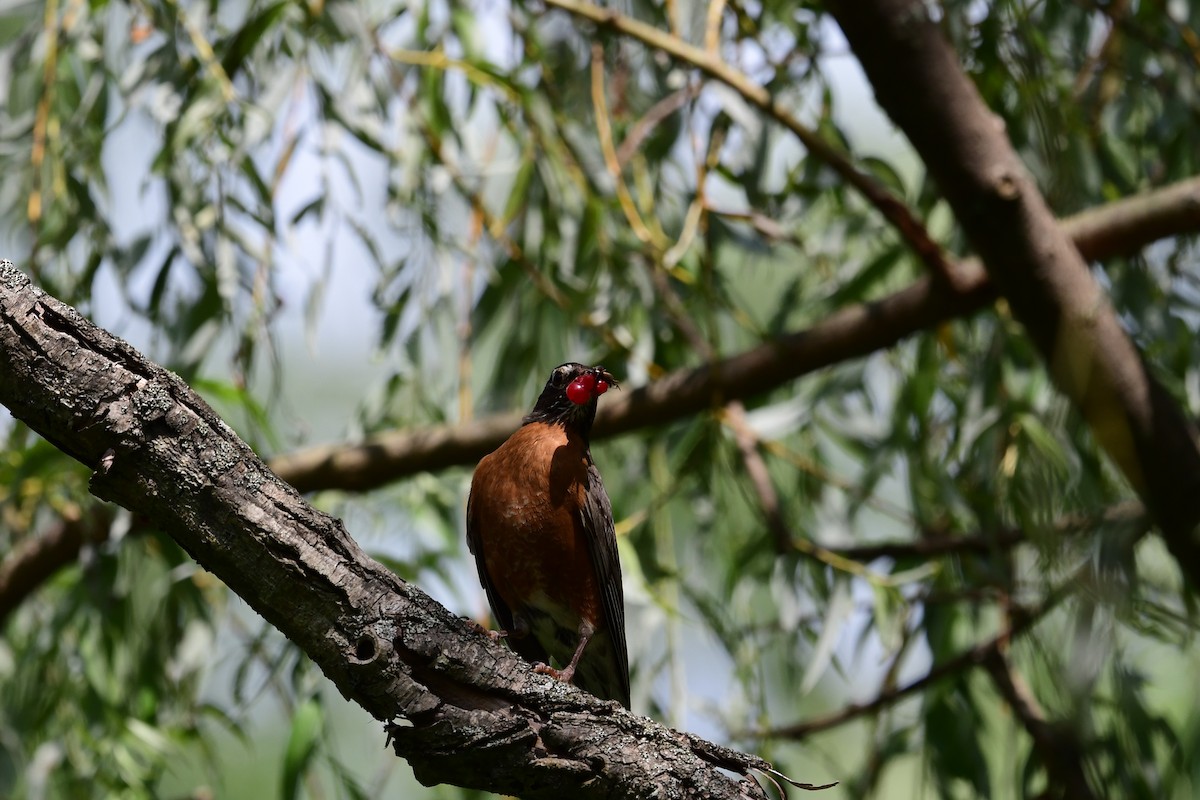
(586, 629)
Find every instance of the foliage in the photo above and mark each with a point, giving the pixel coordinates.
(515, 186)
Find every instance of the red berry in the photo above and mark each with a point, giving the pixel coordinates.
(579, 392)
(601, 386)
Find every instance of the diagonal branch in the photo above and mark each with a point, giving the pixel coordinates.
(760, 477)
(1032, 260)
(784, 539)
(1057, 746)
(35, 559)
(1114, 229)
(476, 714)
(968, 659)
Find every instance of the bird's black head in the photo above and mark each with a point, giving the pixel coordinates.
(570, 397)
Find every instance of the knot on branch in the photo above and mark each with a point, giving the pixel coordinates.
(1006, 184)
(366, 648)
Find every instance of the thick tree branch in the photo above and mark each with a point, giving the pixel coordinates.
(475, 714)
(918, 81)
(1111, 230)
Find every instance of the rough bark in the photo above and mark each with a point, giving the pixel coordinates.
(1032, 261)
(472, 713)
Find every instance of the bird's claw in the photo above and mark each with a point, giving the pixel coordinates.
(563, 675)
(495, 636)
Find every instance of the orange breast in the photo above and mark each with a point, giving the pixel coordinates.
(526, 499)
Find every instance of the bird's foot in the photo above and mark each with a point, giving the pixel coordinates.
(564, 675)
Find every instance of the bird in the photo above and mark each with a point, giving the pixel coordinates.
(540, 526)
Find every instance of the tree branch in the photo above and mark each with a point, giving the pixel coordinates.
(918, 81)
(973, 657)
(760, 477)
(1057, 745)
(476, 714)
(984, 543)
(1114, 229)
(31, 562)
(709, 62)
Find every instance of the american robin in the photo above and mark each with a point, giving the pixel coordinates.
(541, 527)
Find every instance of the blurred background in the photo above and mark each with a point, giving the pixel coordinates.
(338, 219)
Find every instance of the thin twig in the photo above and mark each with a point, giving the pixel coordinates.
(660, 111)
(712, 27)
(768, 501)
(1056, 745)
(893, 209)
(604, 134)
(695, 218)
(942, 545)
(41, 121)
(973, 657)
(760, 478)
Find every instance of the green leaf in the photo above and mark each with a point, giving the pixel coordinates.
(518, 195)
(249, 35)
(838, 611)
(307, 724)
(954, 731)
(873, 273)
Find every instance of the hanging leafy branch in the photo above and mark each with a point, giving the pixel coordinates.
(842, 471)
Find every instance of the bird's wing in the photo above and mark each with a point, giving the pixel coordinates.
(475, 544)
(526, 646)
(597, 519)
